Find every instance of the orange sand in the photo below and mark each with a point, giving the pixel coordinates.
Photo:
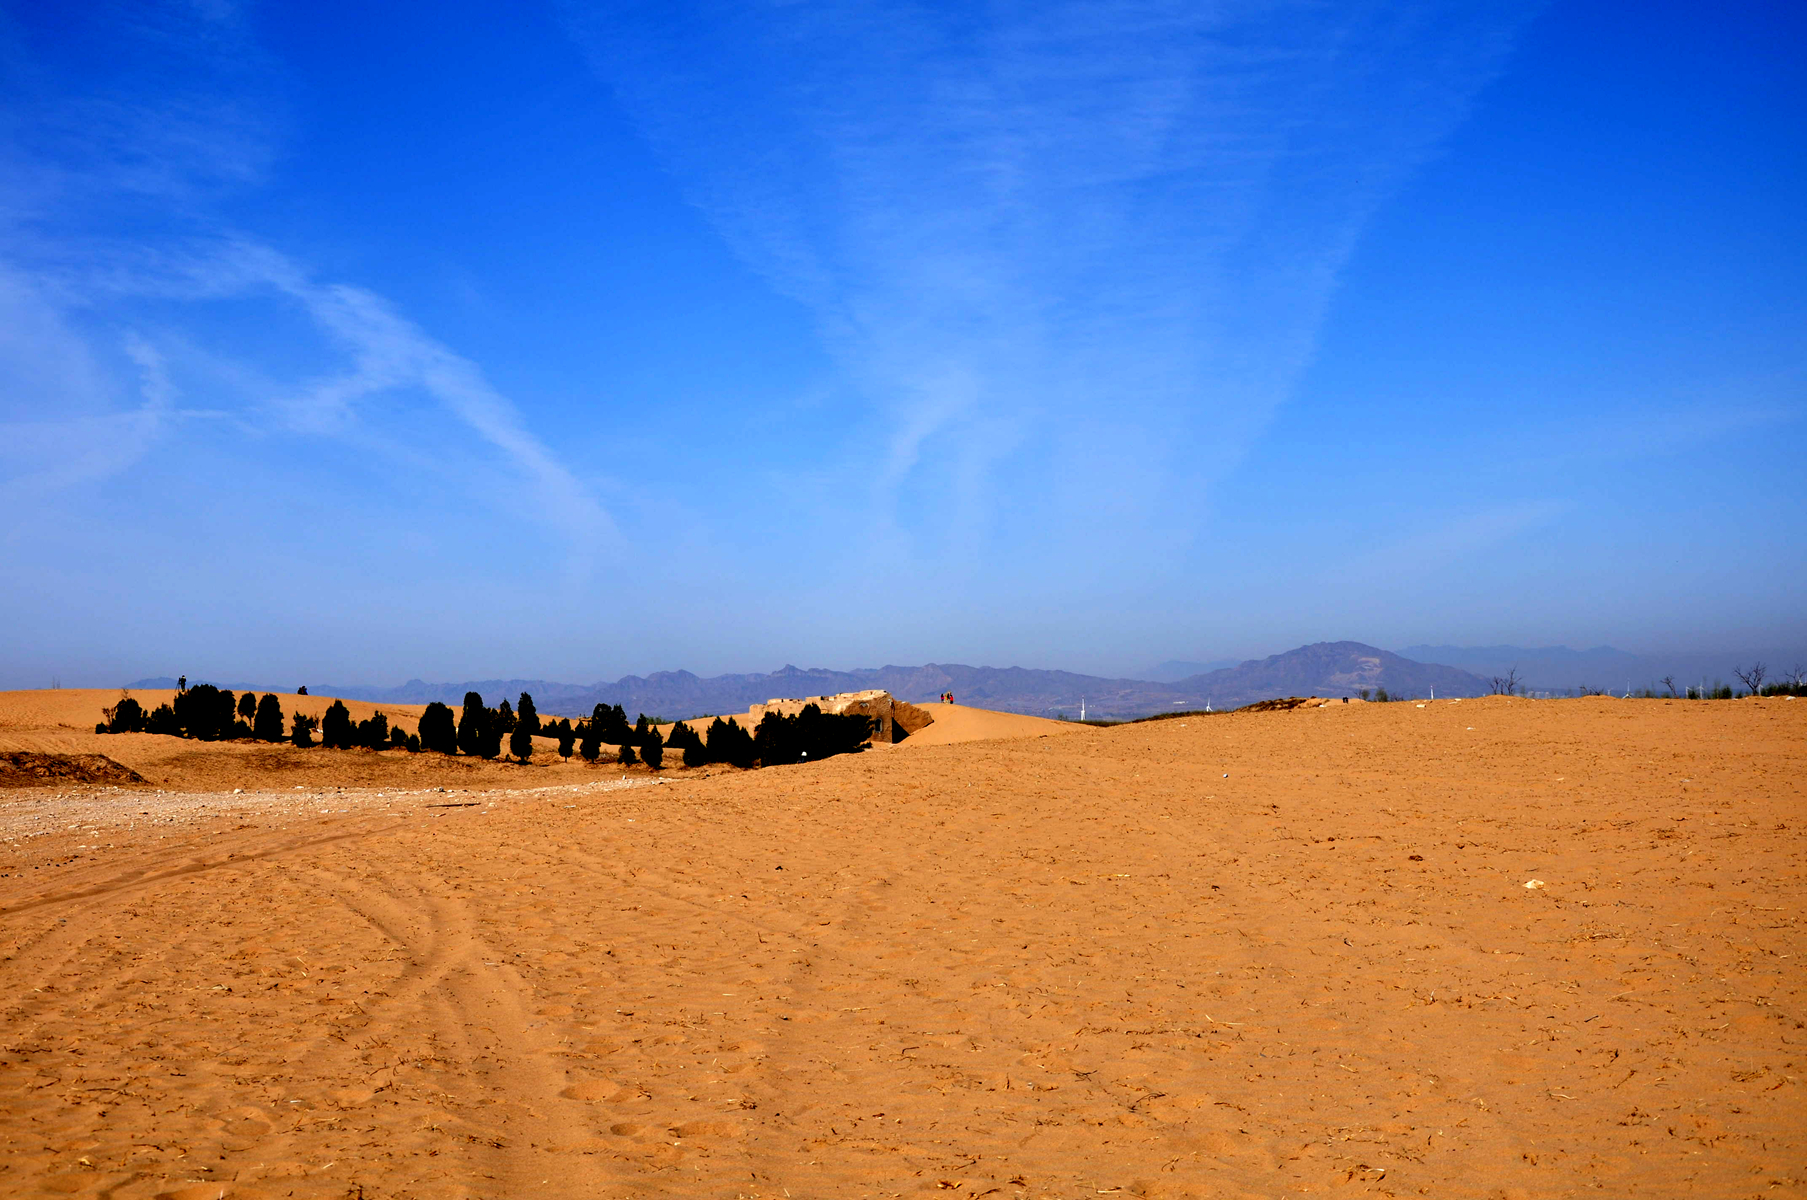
(1239, 955)
(959, 723)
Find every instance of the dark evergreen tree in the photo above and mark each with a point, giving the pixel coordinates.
(220, 713)
(774, 742)
(822, 735)
(268, 722)
(398, 738)
(438, 731)
(493, 733)
(527, 715)
(590, 745)
(247, 707)
(205, 712)
(652, 751)
(505, 719)
(615, 729)
(414, 743)
(520, 742)
(715, 741)
(627, 757)
(685, 740)
(125, 717)
(301, 730)
(163, 720)
(373, 732)
(729, 743)
(472, 725)
(336, 728)
(566, 739)
(811, 734)
(640, 729)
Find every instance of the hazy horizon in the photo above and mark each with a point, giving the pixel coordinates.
(574, 341)
(1541, 666)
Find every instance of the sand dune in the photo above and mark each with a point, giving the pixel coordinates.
(959, 723)
(1243, 955)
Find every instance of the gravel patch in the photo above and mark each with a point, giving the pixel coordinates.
(35, 812)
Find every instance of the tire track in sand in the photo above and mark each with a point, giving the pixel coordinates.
(465, 1016)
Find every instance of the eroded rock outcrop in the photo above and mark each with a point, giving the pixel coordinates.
(893, 719)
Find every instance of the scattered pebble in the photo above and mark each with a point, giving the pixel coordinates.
(112, 806)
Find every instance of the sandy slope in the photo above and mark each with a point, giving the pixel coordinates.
(1255, 955)
(959, 723)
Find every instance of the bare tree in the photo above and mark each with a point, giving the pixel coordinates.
(1668, 681)
(1751, 678)
(1796, 675)
(1507, 684)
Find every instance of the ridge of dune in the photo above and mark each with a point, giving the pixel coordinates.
(963, 723)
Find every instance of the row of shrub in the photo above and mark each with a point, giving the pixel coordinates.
(778, 740)
(205, 712)
(1718, 690)
(209, 713)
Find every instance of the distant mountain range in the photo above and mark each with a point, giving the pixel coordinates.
(1174, 670)
(1323, 669)
(1332, 669)
(1326, 669)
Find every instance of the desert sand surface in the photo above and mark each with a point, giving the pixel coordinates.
(961, 723)
(1269, 954)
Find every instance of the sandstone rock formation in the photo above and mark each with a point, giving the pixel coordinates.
(893, 719)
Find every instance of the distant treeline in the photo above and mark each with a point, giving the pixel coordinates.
(1755, 679)
(778, 740)
(205, 712)
(212, 714)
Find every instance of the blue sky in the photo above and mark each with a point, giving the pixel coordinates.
(356, 343)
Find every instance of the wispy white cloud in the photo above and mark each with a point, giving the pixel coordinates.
(390, 353)
(379, 352)
(38, 457)
(61, 417)
(1053, 243)
(179, 111)
(90, 321)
